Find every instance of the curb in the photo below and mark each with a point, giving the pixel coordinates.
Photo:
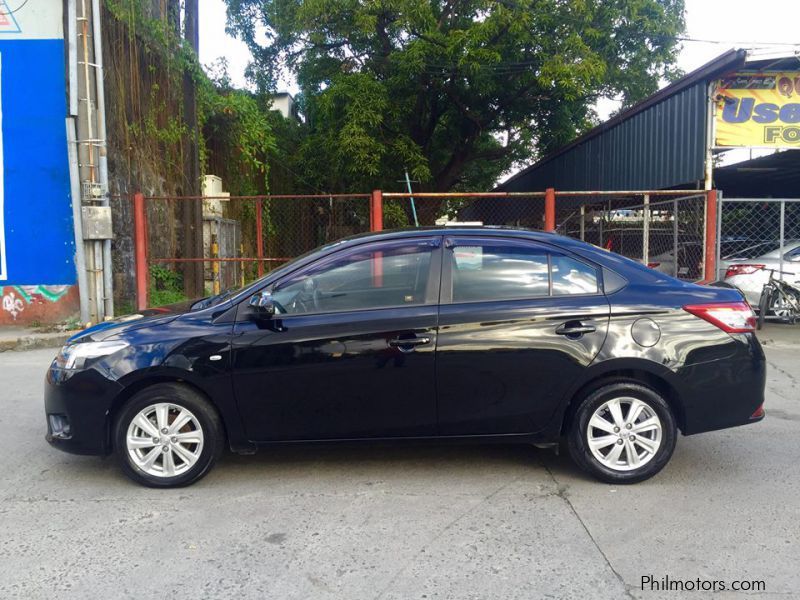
(34, 342)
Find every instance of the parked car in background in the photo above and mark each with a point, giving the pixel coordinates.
(690, 261)
(750, 274)
(690, 257)
(481, 334)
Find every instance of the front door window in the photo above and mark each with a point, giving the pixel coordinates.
(375, 276)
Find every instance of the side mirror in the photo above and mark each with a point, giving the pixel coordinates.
(262, 304)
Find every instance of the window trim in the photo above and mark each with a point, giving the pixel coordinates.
(432, 289)
(451, 242)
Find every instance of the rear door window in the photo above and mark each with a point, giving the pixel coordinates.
(571, 276)
(498, 269)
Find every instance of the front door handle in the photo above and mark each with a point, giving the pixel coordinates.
(575, 329)
(408, 344)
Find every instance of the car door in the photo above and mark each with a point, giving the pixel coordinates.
(518, 322)
(350, 353)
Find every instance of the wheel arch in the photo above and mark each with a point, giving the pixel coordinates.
(643, 372)
(137, 385)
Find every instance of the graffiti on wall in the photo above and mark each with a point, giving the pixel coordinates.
(16, 298)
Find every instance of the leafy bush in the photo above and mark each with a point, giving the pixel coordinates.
(166, 286)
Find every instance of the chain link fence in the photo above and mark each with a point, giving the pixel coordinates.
(665, 230)
(665, 234)
(750, 228)
(245, 237)
(428, 209)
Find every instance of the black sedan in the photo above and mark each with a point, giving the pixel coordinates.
(477, 334)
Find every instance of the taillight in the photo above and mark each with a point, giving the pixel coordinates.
(742, 270)
(653, 265)
(731, 317)
(759, 413)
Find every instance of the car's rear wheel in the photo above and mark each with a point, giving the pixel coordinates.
(167, 435)
(623, 432)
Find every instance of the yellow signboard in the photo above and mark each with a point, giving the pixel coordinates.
(758, 109)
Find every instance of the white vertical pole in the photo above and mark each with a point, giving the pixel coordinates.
(72, 53)
(77, 220)
(783, 228)
(717, 275)
(675, 237)
(97, 39)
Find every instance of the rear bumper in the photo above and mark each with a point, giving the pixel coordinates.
(77, 407)
(725, 393)
(750, 285)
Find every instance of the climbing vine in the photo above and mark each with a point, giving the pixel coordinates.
(147, 66)
(150, 59)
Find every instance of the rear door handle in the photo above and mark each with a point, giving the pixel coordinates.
(575, 329)
(408, 344)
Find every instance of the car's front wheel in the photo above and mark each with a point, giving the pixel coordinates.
(623, 432)
(167, 435)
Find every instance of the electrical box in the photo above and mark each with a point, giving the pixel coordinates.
(97, 222)
(212, 186)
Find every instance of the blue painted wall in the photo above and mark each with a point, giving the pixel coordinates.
(40, 243)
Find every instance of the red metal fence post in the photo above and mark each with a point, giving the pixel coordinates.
(550, 209)
(140, 249)
(710, 266)
(260, 236)
(376, 211)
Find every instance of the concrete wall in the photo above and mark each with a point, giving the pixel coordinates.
(284, 104)
(37, 244)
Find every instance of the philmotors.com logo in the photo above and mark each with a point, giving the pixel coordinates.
(8, 24)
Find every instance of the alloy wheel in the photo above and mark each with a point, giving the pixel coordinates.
(624, 434)
(164, 440)
(781, 307)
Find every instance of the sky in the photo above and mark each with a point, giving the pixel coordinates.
(735, 23)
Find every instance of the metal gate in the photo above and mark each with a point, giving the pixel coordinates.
(222, 239)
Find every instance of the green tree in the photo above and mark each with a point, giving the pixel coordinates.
(455, 91)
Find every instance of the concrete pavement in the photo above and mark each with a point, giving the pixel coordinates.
(399, 522)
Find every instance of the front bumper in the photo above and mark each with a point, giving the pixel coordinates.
(77, 408)
(727, 392)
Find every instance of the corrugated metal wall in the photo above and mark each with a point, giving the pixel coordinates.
(660, 147)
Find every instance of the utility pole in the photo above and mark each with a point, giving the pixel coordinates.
(191, 211)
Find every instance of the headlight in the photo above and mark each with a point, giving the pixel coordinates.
(74, 356)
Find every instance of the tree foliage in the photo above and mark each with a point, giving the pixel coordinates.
(455, 91)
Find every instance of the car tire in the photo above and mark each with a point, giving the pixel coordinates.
(618, 447)
(167, 435)
(763, 306)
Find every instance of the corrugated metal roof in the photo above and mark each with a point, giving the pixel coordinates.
(658, 143)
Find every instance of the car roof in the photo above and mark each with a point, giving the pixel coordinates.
(788, 246)
(488, 230)
(628, 268)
